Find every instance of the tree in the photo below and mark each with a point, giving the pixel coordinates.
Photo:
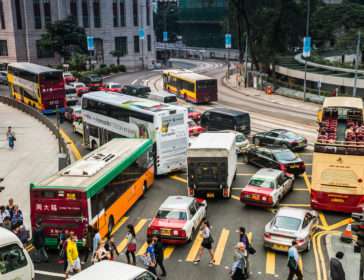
(117, 54)
(166, 16)
(78, 61)
(64, 37)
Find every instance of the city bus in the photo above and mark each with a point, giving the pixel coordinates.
(96, 190)
(107, 115)
(338, 158)
(190, 86)
(38, 86)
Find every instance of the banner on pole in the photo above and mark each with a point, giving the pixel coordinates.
(306, 47)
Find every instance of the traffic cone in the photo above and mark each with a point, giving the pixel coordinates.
(346, 236)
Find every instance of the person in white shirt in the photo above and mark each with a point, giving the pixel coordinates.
(3, 213)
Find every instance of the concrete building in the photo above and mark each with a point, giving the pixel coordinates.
(114, 24)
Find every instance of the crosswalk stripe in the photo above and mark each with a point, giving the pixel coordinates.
(196, 245)
(221, 246)
(168, 251)
(143, 249)
(270, 263)
(123, 243)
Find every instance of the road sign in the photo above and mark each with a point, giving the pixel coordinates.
(306, 46)
(228, 41)
(141, 34)
(319, 84)
(66, 65)
(90, 43)
(261, 72)
(62, 60)
(165, 36)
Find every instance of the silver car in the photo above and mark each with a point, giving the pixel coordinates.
(289, 224)
(242, 142)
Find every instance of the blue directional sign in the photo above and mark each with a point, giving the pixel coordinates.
(141, 34)
(228, 41)
(260, 72)
(165, 36)
(306, 46)
(90, 43)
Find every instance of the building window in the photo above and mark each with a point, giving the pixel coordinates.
(148, 11)
(18, 14)
(97, 21)
(73, 8)
(3, 48)
(115, 12)
(135, 12)
(84, 14)
(136, 44)
(121, 45)
(44, 52)
(122, 12)
(37, 19)
(2, 17)
(47, 10)
(149, 43)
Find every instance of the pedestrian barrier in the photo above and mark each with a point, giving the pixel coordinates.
(43, 119)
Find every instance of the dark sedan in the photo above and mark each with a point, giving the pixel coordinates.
(282, 159)
(280, 138)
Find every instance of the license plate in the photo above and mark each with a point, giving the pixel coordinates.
(97, 85)
(71, 98)
(195, 131)
(194, 117)
(255, 197)
(294, 166)
(174, 170)
(282, 247)
(243, 127)
(299, 144)
(83, 90)
(210, 195)
(166, 232)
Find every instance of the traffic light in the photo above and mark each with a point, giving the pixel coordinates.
(334, 93)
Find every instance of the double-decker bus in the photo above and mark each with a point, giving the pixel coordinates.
(338, 158)
(190, 86)
(107, 115)
(96, 190)
(38, 86)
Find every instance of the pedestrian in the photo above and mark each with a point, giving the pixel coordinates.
(206, 242)
(3, 213)
(60, 244)
(17, 215)
(102, 254)
(7, 223)
(88, 243)
(72, 256)
(111, 247)
(131, 244)
(10, 207)
(248, 248)
(10, 135)
(39, 242)
(15, 229)
(23, 234)
(336, 268)
(294, 262)
(151, 256)
(159, 254)
(97, 238)
(238, 270)
(68, 239)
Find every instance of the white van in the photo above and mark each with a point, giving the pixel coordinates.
(112, 270)
(163, 97)
(15, 262)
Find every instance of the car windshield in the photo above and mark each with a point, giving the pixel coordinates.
(77, 111)
(289, 135)
(262, 183)
(240, 138)
(116, 86)
(287, 222)
(172, 215)
(79, 86)
(191, 123)
(96, 79)
(67, 75)
(190, 109)
(285, 155)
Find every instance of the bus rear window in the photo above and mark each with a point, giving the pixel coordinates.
(206, 84)
(49, 194)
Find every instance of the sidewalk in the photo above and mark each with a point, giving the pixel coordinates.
(34, 157)
(351, 260)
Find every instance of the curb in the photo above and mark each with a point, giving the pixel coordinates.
(328, 245)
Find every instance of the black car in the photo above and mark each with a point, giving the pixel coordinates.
(137, 90)
(279, 158)
(280, 138)
(93, 81)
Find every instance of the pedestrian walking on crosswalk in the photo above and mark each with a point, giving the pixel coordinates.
(238, 271)
(131, 244)
(159, 254)
(249, 249)
(207, 241)
(294, 262)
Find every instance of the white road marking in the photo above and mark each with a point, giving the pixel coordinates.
(49, 273)
(134, 81)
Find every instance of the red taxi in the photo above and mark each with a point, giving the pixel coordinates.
(81, 88)
(194, 128)
(193, 114)
(177, 219)
(68, 78)
(73, 113)
(113, 87)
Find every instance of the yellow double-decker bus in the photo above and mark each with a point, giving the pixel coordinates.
(190, 86)
(338, 158)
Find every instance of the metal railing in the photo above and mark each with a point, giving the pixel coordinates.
(42, 118)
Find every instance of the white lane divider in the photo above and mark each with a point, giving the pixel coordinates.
(134, 81)
(49, 273)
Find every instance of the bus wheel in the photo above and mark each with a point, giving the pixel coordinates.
(145, 187)
(94, 145)
(110, 225)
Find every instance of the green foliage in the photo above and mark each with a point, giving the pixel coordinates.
(64, 37)
(75, 74)
(117, 54)
(114, 68)
(78, 62)
(103, 65)
(98, 71)
(122, 68)
(85, 73)
(167, 16)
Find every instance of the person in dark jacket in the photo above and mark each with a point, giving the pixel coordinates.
(336, 269)
(88, 235)
(111, 247)
(159, 254)
(22, 232)
(39, 242)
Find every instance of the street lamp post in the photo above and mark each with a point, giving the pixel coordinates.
(356, 64)
(165, 42)
(307, 31)
(246, 61)
(142, 39)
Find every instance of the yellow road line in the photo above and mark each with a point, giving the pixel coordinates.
(71, 144)
(221, 246)
(194, 250)
(308, 163)
(322, 258)
(245, 174)
(336, 225)
(30, 245)
(270, 263)
(168, 251)
(30, 248)
(300, 189)
(235, 197)
(143, 249)
(137, 228)
(310, 148)
(323, 219)
(301, 261)
(241, 163)
(178, 178)
(295, 205)
(317, 261)
(117, 226)
(236, 188)
(308, 184)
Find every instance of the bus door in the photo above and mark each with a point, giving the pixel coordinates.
(97, 202)
(103, 135)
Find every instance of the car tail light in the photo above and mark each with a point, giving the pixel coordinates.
(314, 198)
(65, 103)
(191, 191)
(361, 201)
(267, 235)
(234, 127)
(183, 233)
(303, 165)
(43, 108)
(91, 85)
(175, 232)
(300, 241)
(293, 143)
(226, 192)
(248, 141)
(282, 167)
(150, 231)
(270, 199)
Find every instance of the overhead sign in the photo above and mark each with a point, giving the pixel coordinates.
(90, 43)
(228, 41)
(306, 46)
(141, 34)
(165, 36)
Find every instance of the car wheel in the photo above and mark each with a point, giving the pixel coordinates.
(191, 235)
(245, 158)
(276, 205)
(145, 188)
(284, 146)
(256, 141)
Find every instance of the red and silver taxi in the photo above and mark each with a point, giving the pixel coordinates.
(177, 219)
(113, 87)
(192, 113)
(81, 88)
(73, 113)
(68, 78)
(267, 187)
(194, 128)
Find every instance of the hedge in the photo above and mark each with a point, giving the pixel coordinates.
(102, 71)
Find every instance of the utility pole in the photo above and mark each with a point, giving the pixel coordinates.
(165, 42)
(307, 31)
(141, 18)
(227, 29)
(59, 135)
(246, 61)
(356, 65)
